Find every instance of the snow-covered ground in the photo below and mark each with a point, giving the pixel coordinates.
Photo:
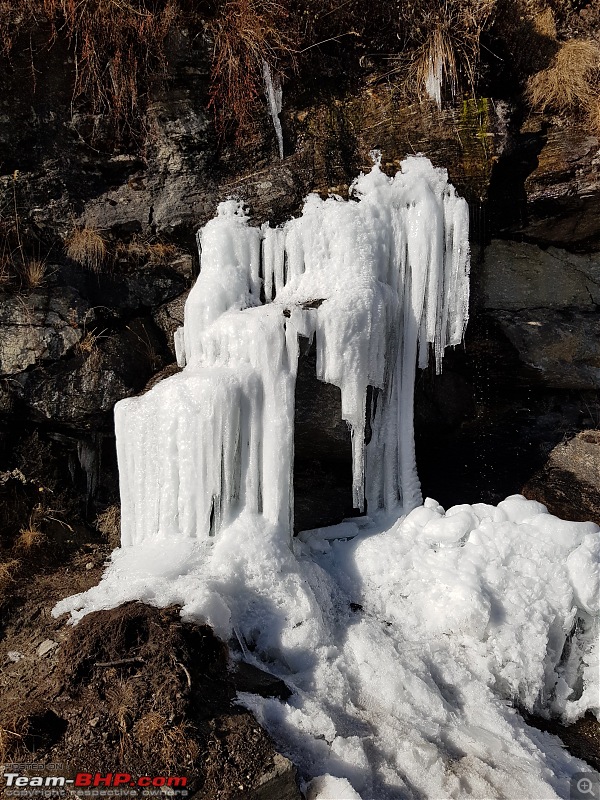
(406, 646)
(409, 637)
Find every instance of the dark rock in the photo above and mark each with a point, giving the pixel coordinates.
(81, 391)
(563, 191)
(569, 482)
(322, 449)
(40, 327)
(169, 317)
(249, 678)
(278, 783)
(562, 346)
(517, 275)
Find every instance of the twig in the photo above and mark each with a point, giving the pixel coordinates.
(189, 680)
(120, 663)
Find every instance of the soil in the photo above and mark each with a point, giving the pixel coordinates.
(133, 689)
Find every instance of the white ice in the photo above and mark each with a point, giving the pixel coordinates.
(379, 281)
(458, 618)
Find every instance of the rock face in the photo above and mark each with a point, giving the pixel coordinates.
(83, 339)
(569, 483)
(546, 303)
(42, 326)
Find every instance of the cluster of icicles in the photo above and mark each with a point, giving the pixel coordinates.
(378, 280)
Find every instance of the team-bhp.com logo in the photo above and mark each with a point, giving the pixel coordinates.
(18, 784)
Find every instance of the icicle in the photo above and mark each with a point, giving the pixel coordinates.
(433, 81)
(274, 95)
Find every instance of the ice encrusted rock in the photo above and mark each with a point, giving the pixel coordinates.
(378, 281)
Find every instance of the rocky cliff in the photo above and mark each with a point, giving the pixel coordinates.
(99, 254)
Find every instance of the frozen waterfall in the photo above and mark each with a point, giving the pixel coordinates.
(379, 280)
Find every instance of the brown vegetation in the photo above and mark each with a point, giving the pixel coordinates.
(117, 45)
(87, 247)
(247, 34)
(570, 82)
(120, 48)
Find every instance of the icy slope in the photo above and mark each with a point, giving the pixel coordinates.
(378, 281)
(406, 646)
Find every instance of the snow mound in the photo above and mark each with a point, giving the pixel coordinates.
(406, 646)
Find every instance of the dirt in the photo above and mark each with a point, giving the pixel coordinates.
(133, 689)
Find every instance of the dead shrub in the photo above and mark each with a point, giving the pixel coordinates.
(569, 83)
(87, 247)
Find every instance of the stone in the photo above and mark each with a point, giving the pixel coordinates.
(569, 483)
(47, 646)
(82, 391)
(15, 656)
(39, 327)
(518, 275)
(563, 191)
(563, 346)
(279, 783)
(169, 317)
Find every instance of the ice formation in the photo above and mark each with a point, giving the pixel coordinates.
(274, 95)
(378, 280)
(433, 80)
(408, 640)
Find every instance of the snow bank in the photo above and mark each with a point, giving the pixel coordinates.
(406, 647)
(378, 281)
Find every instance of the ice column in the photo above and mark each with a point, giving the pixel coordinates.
(380, 281)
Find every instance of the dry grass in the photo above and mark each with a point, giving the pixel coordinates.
(33, 273)
(246, 34)
(175, 743)
(570, 82)
(121, 700)
(87, 247)
(116, 45)
(88, 344)
(160, 254)
(31, 536)
(446, 53)
(7, 572)
(109, 525)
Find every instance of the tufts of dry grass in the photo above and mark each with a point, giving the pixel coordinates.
(109, 524)
(175, 743)
(161, 254)
(31, 536)
(33, 273)
(117, 47)
(570, 82)
(87, 247)
(246, 34)
(7, 572)
(442, 49)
